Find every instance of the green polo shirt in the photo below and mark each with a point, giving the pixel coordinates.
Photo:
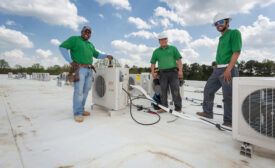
(82, 51)
(166, 58)
(229, 43)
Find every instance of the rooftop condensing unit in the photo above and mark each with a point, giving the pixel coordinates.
(41, 76)
(254, 111)
(107, 87)
(10, 74)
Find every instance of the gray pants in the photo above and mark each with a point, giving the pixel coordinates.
(214, 83)
(170, 79)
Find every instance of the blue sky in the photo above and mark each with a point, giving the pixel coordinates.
(30, 31)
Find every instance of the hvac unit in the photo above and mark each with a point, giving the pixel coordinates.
(46, 77)
(254, 111)
(107, 87)
(10, 74)
(145, 79)
(134, 79)
(34, 75)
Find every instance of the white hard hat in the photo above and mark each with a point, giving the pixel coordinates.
(220, 16)
(162, 35)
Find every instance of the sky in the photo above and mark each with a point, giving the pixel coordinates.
(31, 30)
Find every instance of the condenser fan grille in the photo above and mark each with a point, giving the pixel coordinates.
(100, 86)
(131, 82)
(258, 110)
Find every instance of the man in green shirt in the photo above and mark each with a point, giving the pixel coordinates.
(228, 52)
(170, 68)
(81, 57)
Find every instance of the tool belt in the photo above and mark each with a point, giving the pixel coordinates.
(73, 75)
(90, 66)
(169, 70)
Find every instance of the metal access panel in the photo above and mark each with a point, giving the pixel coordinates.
(254, 111)
(107, 87)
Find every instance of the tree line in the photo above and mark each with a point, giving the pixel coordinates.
(193, 71)
(53, 70)
(202, 72)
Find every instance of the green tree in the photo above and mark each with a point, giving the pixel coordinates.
(195, 72)
(206, 71)
(55, 70)
(250, 67)
(268, 67)
(186, 71)
(4, 64)
(242, 68)
(37, 68)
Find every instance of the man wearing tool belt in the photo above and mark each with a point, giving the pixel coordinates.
(170, 67)
(228, 52)
(81, 59)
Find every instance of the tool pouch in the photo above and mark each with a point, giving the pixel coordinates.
(74, 74)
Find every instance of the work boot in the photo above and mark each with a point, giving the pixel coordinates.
(85, 113)
(161, 111)
(78, 118)
(227, 125)
(179, 111)
(203, 114)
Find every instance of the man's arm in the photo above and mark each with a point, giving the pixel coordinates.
(102, 56)
(180, 74)
(227, 74)
(65, 53)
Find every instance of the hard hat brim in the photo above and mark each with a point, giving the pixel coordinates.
(230, 19)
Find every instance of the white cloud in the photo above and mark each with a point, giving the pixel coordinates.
(166, 23)
(143, 34)
(44, 53)
(10, 23)
(138, 55)
(260, 34)
(12, 38)
(54, 12)
(118, 15)
(204, 41)
(153, 21)
(182, 36)
(258, 40)
(55, 42)
(179, 35)
(197, 12)
(173, 16)
(141, 24)
(118, 4)
(101, 15)
(189, 53)
(16, 53)
(17, 56)
(162, 22)
(256, 54)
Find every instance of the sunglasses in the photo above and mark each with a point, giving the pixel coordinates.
(219, 22)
